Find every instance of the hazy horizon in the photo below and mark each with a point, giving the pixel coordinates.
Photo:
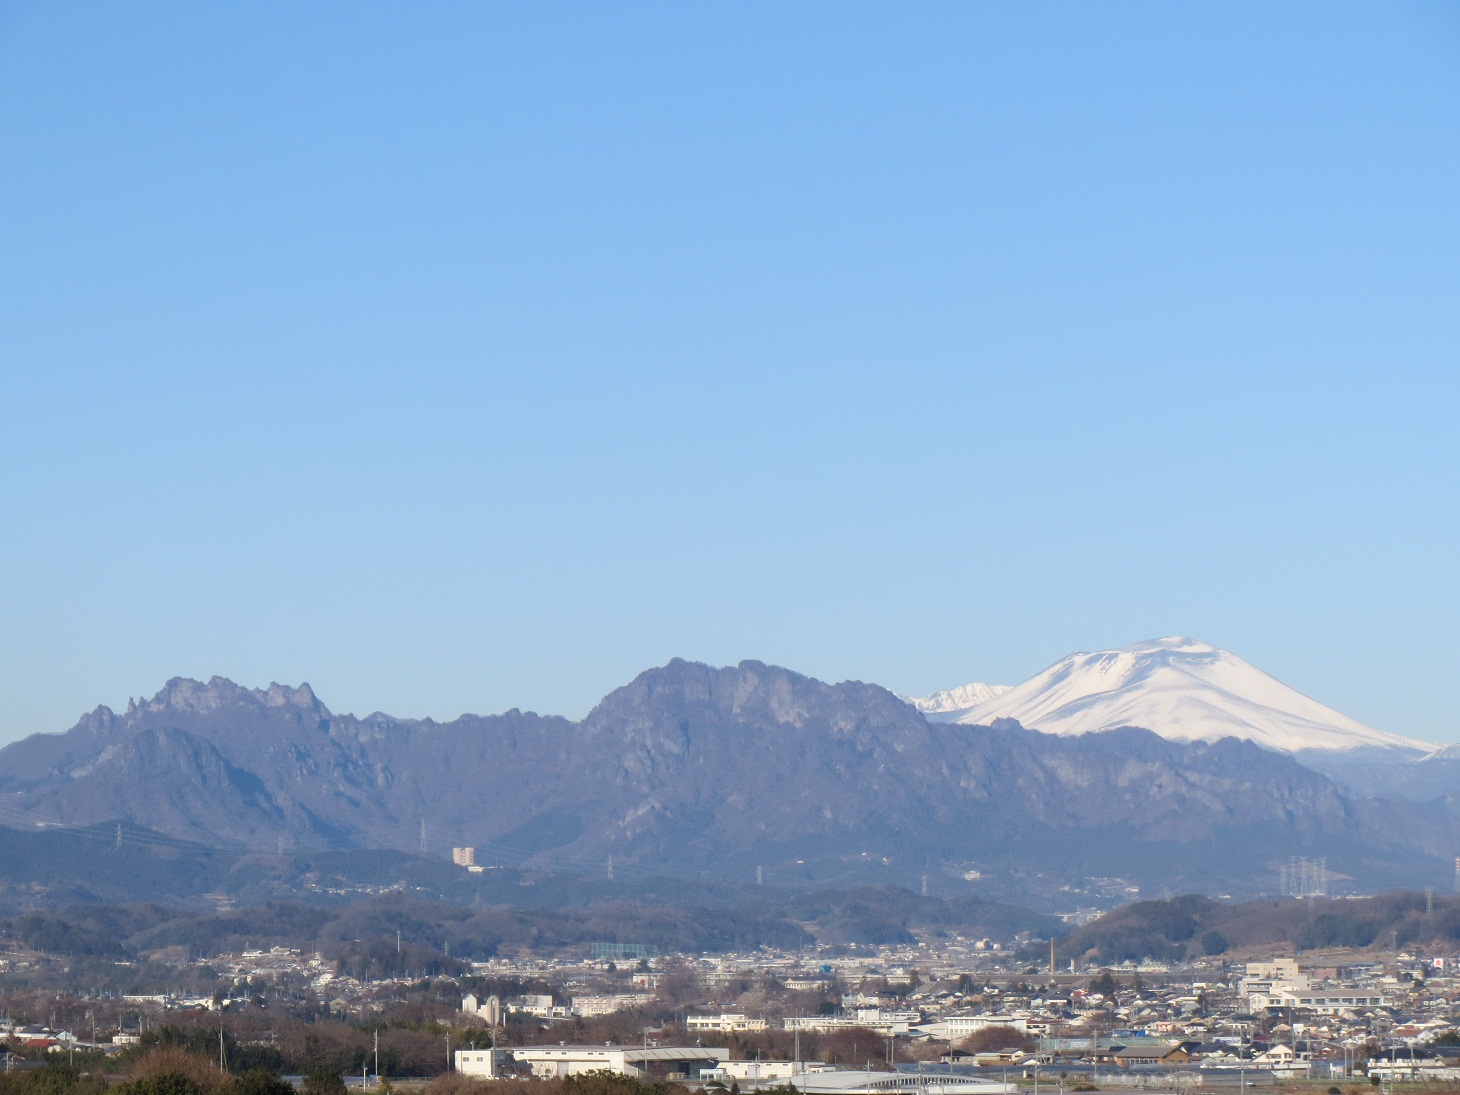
(574, 715)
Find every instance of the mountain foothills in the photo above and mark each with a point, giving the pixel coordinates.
(440, 933)
(712, 774)
(1191, 926)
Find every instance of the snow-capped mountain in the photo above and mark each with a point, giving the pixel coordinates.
(947, 705)
(1184, 690)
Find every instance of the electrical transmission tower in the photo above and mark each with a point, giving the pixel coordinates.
(1304, 877)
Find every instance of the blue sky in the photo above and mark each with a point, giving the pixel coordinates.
(462, 357)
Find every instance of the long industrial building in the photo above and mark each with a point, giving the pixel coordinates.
(556, 1061)
(702, 1062)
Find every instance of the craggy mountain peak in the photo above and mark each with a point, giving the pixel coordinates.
(752, 693)
(183, 695)
(186, 694)
(691, 768)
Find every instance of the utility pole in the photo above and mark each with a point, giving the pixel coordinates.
(1242, 1058)
(377, 1032)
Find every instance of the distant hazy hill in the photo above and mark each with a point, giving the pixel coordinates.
(715, 773)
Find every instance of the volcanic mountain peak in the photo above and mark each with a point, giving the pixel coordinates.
(1182, 689)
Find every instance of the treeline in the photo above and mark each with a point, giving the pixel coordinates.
(302, 1049)
(159, 1072)
(177, 1070)
(397, 934)
(434, 937)
(282, 1045)
(1193, 926)
(890, 914)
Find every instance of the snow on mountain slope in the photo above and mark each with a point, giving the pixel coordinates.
(1184, 690)
(1446, 753)
(946, 705)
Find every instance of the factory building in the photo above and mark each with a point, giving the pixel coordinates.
(556, 1062)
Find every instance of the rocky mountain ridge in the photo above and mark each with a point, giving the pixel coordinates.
(693, 770)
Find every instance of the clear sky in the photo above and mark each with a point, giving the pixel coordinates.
(463, 357)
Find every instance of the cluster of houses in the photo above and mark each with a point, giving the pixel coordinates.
(1385, 1022)
(59, 1040)
(968, 1004)
(1392, 1020)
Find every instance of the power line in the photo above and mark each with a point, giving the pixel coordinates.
(119, 833)
(1304, 877)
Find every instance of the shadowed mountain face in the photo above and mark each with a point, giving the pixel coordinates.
(698, 771)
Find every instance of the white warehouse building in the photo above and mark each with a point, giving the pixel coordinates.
(557, 1061)
(727, 1022)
